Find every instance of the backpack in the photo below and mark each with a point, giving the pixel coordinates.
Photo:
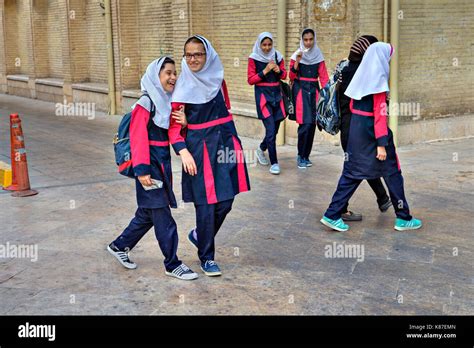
(122, 149)
(287, 97)
(328, 115)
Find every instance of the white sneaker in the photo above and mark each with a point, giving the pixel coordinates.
(182, 272)
(261, 157)
(121, 256)
(275, 169)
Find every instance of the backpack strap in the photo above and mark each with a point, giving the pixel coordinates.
(152, 110)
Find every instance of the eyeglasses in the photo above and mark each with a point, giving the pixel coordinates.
(197, 55)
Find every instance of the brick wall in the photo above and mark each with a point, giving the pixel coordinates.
(67, 39)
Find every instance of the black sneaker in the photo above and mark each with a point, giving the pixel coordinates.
(121, 256)
(182, 272)
(384, 207)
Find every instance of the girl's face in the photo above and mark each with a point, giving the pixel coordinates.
(308, 40)
(266, 45)
(195, 55)
(168, 77)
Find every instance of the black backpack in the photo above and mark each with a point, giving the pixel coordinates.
(287, 97)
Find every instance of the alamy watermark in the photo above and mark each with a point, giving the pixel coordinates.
(344, 251)
(237, 156)
(19, 251)
(75, 109)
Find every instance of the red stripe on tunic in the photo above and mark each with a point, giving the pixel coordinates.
(282, 107)
(359, 112)
(299, 107)
(209, 177)
(210, 123)
(263, 106)
(158, 143)
(240, 166)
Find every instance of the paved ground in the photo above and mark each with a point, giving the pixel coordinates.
(271, 248)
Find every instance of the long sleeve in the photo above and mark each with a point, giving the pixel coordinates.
(253, 76)
(176, 134)
(380, 119)
(283, 72)
(225, 93)
(139, 141)
(323, 74)
(293, 71)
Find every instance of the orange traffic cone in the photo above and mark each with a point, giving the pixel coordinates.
(20, 178)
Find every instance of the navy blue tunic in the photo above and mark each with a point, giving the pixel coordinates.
(151, 156)
(212, 140)
(267, 88)
(305, 89)
(368, 130)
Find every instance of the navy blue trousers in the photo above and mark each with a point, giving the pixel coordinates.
(347, 186)
(271, 131)
(165, 231)
(306, 133)
(209, 219)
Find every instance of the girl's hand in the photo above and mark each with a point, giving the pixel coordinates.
(270, 66)
(188, 162)
(180, 117)
(276, 69)
(145, 180)
(299, 56)
(381, 153)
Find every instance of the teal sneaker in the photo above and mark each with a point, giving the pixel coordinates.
(405, 225)
(308, 162)
(337, 225)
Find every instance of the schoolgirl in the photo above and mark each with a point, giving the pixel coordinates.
(308, 74)
(370, 150)
(210, 179)
(266, 67)
(152, 166)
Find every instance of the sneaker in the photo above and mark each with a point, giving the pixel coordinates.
(261, 157)
(121, 256)
(384, 207)
(182, 272)
(405, 225)
(210, 268)
(351, 216)
(301, 163)
(275, 169)
(308, 162)
(193, 239)
(337, 225)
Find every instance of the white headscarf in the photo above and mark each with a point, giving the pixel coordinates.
(202, 86)
(261, 56)
(310, 56)
(151, 85)
(372, 75)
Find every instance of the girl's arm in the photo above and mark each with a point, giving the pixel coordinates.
(177, 135)
(293, 71)
(323, 74)
(283, 72)
(139, 145)
(225, 93)
(253, 76)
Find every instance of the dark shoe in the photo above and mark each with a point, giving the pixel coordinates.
(384, 207)
(191, 238)
(351, 216)
(308, 162)
(210, 268)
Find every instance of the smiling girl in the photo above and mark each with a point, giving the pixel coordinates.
(152, 166)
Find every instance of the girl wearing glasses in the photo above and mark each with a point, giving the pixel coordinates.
(266, 68)
(214, 169)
